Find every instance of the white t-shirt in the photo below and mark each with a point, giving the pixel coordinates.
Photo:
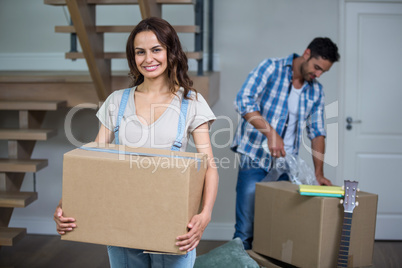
(162, 133)
(293, 107)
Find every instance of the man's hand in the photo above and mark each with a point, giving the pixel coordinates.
(322, 180)
(275, 144)
(318, 150)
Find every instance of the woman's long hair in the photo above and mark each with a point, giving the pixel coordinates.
(177, 60)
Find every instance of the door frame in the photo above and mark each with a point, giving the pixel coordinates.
(340, 176)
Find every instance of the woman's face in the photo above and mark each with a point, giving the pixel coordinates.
(150, 55)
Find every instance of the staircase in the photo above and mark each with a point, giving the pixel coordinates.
(21, 142)
(91, 37)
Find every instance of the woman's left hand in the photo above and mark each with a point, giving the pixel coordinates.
(196, 228)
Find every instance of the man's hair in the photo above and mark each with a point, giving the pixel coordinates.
(323, 47)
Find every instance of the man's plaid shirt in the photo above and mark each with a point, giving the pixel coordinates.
(266, 90)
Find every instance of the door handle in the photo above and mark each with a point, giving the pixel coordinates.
(349, 121)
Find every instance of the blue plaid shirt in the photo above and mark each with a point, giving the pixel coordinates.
(266, 90)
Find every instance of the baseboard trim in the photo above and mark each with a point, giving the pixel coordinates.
(219, 231)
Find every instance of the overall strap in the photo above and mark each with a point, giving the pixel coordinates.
(122, 108)
(182, 123)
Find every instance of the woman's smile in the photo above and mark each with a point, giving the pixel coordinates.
(151, 68)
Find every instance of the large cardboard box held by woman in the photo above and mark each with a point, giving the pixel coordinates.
(306, 231)
(131, 197)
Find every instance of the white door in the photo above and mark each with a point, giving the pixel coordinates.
(372, 95)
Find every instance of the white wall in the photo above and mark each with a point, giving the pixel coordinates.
(245, 33)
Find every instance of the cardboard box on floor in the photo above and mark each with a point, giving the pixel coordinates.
(305, 231)
(131, 197)
(262, 261)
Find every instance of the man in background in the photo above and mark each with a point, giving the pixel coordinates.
(279, 98)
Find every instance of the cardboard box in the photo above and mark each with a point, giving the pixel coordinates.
(305, 231)
(131, 197)
(263, 261)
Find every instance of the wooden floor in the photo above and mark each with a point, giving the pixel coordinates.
(49, 251)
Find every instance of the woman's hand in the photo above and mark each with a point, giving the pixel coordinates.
(63, 224)
(199, 222)
(196, 228)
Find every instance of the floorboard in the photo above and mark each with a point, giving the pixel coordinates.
(45, 251)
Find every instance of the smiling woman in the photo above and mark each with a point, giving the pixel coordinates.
(166, 39)
(150, 55)
(147, 115)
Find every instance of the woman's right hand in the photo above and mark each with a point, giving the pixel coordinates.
(63, 224)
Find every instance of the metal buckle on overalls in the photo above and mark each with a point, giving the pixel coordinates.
(177, 144)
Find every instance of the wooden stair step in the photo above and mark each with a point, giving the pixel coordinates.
(31, 105)
(176, 2)
(64, 84)
(10, 236)
(22, 165)
(17, 199)
(37, 77)
(126, 29)
(27, 134)
(122, 55)
(121, 2)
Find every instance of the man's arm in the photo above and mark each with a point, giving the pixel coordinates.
(248, 106)
(318, 150)
(275, 142)
(247, 98)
